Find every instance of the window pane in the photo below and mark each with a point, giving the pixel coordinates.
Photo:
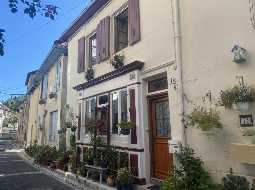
(53, 125)
(115, 113)
(121, 36)
(158, 84)
(162, 119)
(92, 49)
(93, 108)
(103, 100)
(123, 96)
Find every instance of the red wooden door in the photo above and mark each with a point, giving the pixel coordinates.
(162, 161)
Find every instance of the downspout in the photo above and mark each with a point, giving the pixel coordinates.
(178, 58)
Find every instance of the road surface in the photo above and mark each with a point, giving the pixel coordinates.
(16, 174)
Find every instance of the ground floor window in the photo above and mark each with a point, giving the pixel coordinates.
(119, 110)
(53, 125)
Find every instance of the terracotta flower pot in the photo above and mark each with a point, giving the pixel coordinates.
(110, 180)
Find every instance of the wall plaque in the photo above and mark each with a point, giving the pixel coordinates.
(246, 120)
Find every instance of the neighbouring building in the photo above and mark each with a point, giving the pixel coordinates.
(48, 99)
(4, 127)
(210, 32)
(142, 31)
(21, 135)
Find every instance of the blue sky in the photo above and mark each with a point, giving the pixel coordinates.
(28, 41)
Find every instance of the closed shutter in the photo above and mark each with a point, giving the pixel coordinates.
(81, 55)
(134, 21)
(132, 111)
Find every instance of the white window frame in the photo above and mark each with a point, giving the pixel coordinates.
(84, 112)
(119, 109)
(102, 105)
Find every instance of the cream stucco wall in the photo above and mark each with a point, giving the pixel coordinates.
(32, 118)
(210, 29)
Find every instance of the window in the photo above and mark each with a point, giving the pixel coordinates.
(119, 109)
(121, 30)
(115, 114)
(44, 87)
(53, 125)
(93, 49)
(90, 111)
(58, 76)
(102, 100)
(157, 85)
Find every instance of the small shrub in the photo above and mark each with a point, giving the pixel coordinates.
(233, 182)
(46, 154)
(191, 174)
(32, 150)
(124, 176)
(204, 119)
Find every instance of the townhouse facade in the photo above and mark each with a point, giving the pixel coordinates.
(47, 97)
(137, 91)
(176, 55)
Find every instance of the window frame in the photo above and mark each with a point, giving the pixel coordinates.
(117, 14)
(85, 102)
(44, 94)
(52, 137)
(92, 35)
(119, 109)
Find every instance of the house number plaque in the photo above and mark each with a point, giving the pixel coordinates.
(246, 120)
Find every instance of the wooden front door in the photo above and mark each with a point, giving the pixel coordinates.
(162, 161)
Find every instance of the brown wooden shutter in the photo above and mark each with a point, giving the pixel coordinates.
(106, 38)
(132, 111)
(99, 41)
(81, 55)
(134, 164)
(103, 39)
(79, 122)
(134, 21)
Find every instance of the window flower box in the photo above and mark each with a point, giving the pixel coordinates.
(52, 95)
(42, 101)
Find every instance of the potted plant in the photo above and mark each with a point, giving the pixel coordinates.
(42, 101)
(239, 97)
(110, 180)
(124, 179)
(89, 75)
(118, 61)
(52, 95)
(68, 124)
(125, 127)
(205, 119)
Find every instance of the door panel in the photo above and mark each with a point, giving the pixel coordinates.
(162, 161)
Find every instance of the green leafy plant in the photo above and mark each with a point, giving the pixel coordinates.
(234, 182)
(118, 61)
(89, 75)
(239, 93)
(126, 125)
(124, 176)
(204, 119)
(191, 174)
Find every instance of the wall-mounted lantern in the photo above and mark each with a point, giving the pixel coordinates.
(240, 55)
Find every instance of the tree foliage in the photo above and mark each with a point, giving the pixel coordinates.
(31, 8)
(14, 103)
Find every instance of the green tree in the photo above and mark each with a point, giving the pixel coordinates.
(31, 8)
(14, 103)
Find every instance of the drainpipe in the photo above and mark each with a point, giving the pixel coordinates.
(178, 58)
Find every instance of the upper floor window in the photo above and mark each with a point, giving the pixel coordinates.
(121, 30)
(44, 87)
(58, 76)
(93, 49)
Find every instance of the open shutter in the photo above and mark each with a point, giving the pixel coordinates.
(98, 33)
(134, 21)
(81, 55)
(105, 38)
(132, 111)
